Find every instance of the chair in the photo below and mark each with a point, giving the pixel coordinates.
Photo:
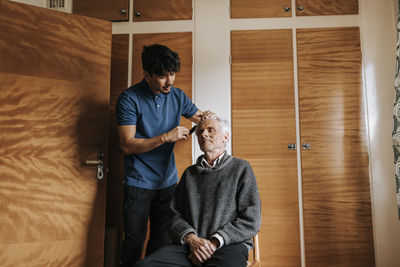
(254, 255)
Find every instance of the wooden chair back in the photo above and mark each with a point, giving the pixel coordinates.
(254, 255)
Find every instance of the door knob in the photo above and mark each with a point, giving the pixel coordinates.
(300, 8)
(291, 146)
(138, 13)
(100, 165)
(286, 9)
(306, 146)
(122, 12)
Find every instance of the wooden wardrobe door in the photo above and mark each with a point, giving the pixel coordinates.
(115, 192)
(326, 7)
(156, 10)
(181, 43)
(336, 192)
(54, 95)
(115, 10)
(260, 8)
(263, 124)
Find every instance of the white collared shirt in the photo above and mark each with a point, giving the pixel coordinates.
(205, 164)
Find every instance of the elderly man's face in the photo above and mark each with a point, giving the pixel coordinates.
(210, 136)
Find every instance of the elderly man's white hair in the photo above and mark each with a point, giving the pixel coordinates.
(223, 124)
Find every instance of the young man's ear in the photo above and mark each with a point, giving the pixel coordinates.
(146, 75)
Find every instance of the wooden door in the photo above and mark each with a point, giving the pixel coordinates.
(115, 192)
(326, 7)
(156, 10)
(119, 83)
(181, 43)
(263, 124)
(115, 10)
(54, 94)
(336, 192)
(260, 8)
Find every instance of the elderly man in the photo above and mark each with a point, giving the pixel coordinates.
(216, 207)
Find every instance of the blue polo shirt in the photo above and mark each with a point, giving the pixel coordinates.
(153, 114)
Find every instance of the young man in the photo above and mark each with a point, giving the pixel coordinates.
(148, 117)
(215, 210)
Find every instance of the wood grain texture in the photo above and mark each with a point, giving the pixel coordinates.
(54, 95)
(182, 44)
(336, 192)
(263, 124)
(254, 254)
(102, 9)
(119, 82)
(327, 7)
(260, 8)
(156, 10)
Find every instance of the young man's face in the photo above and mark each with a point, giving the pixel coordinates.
(160, 83)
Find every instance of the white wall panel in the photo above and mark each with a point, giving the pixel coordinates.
(211, 59)
(378, 47)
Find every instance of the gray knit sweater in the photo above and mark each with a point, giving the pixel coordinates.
(221, 200)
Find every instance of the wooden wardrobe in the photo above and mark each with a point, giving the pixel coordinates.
(311, 165)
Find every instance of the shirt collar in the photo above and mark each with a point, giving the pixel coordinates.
(147, 91)
(205, 164)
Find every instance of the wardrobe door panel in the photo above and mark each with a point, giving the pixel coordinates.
(336, 192)
(119, 82)
(116, 10)
(326, 7)
(263, 124)
(260, 8)
(156, 10)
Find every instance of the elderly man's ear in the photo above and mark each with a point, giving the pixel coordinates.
(226, 137)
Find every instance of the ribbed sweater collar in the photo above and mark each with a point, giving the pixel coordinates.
(221, 164)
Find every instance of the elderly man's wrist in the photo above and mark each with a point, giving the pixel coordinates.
(215, 242)
(188, 237)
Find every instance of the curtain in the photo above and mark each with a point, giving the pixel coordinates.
(396, 116)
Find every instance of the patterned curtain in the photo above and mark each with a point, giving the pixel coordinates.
(396, 116)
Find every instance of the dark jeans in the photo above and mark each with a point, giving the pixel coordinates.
(234, 255)
(140, 205)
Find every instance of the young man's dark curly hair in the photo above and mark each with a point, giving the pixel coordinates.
(159, 59)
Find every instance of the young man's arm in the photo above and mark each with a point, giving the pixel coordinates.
(132, 145)
(201, 115)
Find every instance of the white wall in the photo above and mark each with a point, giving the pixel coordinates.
(211, 59)
(45, 3)
(39, 3)
(211, 27)
(378, 30)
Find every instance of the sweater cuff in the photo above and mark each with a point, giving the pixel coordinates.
(185, 234)
(227, 240)
(220, 239)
